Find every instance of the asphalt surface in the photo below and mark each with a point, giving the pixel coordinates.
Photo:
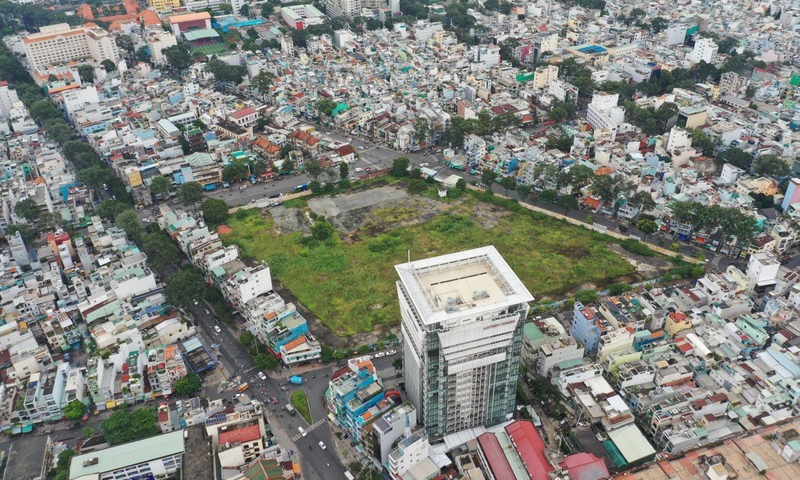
(317, 463)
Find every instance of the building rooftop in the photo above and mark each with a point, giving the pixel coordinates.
(461, 283)
(91, 465)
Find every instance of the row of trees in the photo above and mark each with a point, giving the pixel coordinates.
(726, 222)
(484, 124)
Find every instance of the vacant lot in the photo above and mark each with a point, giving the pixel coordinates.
(349, 281)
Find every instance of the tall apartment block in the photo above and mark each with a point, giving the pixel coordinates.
(60, 43)
(462, 317)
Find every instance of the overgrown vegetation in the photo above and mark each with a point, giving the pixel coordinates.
(299, 401)
(350, 285)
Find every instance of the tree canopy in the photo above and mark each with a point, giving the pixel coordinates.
(74, 410)
(184, 287)
(188, 385)
(126, 426)
(215, 211)
(772, 165)
(190, 193)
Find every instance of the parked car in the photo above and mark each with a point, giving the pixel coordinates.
(380, 355)
(217, 329)
(302, 431)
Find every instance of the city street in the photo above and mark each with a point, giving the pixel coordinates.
(317, 464)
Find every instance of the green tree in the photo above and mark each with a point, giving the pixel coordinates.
(325, 106)
(108, 66)
(643, 200)
(772, 165)
(647, 226)
(567, 202)
(95, 176)
(727, 45)
(184, 287)
(265, 361)
(344, 171)
(125, 42)
(190, 193)
(86, 72)
(215, 211)
(188, 385)
(487, 178)
(313, 167)
(143, 54)
(27, 232)
(611, 188)
(523, 192)
(128, 221)
(422, 130)
(735, 156)
(226, 73)
(507, 183)
(461, 185)
(160, 186)
(160, 250)
(322, 230)
(658, 25)
(109, 209)
(74, 410)
(400, 166)
(262, 81)
(235, 171)
(27, 209)
(178, 56)
(287, 166)
(87, 432)
(126, 426)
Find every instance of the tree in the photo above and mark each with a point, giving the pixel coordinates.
(265, 361)
(188, 385)
(507, 183)
(235, 171)
(461, 185)
(160, 186)
(126, 426)
(262, 81)
(287, 166)
(487, 178)
(245, 10)
(400, 166)
(109, 209)
(108, 66)
(190, 193)
(322, 230)
(325, 106)
(86, 72)
(422, 130)
(771, 165)
(647, 226)
(643, 200)
(727, 45)
(27, 209)
(125, 42)
(313, 167)
(610, 188)
(95, 176)
(27, 232)
(178, 56)
(567, 202)
(226, 73)
(184, 287)
(562, 142)
(735, 156)
(87, 432)
(523, 191)
(160, 250)
(74, 410)
(215, 211)
(658, 25)
(344, 171)
(128, 221)
(143, 54)
(750, 91)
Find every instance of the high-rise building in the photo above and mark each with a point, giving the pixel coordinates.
(462, 317)
(60, 43)
(705, 50)
(729, 83)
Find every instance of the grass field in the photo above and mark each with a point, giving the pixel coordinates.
(351, 286)
(213, 49)
(299, 401)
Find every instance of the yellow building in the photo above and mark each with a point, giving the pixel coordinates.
(164, 5)
(676, 321)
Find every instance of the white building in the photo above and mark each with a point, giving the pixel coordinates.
(301, 17)
(343, 8)
(604, 114)
(158, 41)
(157, 457)
(762, 270)
(387, 429)
(60, 43)
(730, 174)
(408, 453)
(8, 98)
(675, 34)
(705, 50)
(559, 351)
(462, 318)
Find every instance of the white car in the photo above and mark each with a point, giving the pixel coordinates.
(391, 352)
(322, 445)
(196, 303)
(380, 354)
(262, 376)
(217, 329)
(302, 431)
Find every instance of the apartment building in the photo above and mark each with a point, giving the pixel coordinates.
(154, 457)
(60, 43)
(462, 318)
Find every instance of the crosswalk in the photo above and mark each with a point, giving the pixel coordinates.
(312, 427)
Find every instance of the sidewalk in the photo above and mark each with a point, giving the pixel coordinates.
(269, 202)
(604, 230)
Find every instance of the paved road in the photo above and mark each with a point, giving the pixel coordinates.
(317, 464)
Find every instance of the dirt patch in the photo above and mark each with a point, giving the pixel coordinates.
(647, 267)
(288, 220)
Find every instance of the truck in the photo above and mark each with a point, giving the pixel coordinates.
(290, 409)
(349, 476)
(301, 188)
(359, 170)
(297, 380)
(241, 388)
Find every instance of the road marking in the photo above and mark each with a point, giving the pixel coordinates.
(312, 427)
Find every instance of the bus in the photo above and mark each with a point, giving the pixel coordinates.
(243, 387)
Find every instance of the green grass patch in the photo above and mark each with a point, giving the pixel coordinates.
(299, 401)
(635, 246)
(351, 286)
(213, 49)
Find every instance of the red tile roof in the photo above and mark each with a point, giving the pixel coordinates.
(240, 435)
(243, 112)
(495, 456)
(530, 448)
(585, 466)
